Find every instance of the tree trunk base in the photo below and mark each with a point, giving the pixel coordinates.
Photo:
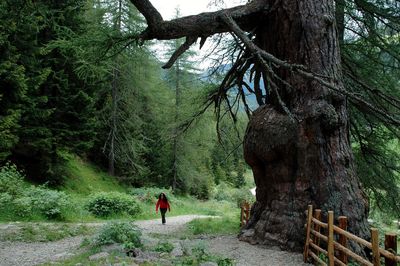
(296, 164)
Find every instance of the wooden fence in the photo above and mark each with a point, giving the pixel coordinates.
(244, 213)
(337, 252)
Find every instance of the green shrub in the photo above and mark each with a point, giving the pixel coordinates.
(225, 192)
(200, 190)
(118, 232)
(150, 194)
(5, 199)
(22, 207)
(11, 180)
(50, 203)
(164, 246)
(200, 254)
(242, 195)
(104, 204)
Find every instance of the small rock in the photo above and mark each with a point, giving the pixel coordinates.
(112, 247)
(248, 233)
(140, 261)
(164, 262)
(164, 255)
(62, 255)
(99, 256)
(79, 264)
(177, 252)
(209, 263)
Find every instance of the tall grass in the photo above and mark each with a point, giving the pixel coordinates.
(84, 178)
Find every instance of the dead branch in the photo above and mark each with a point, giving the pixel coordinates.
(301, 70)
(204, 24)
(183, 48)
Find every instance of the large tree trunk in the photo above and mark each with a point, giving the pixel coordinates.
(308, 161)
(301, 159)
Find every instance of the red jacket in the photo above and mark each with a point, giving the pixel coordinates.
(162, 204)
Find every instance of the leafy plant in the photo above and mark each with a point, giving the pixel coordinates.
(118, 232)
(200, 254)
(150, 194)
(164, 246)
(104, 204)
(50, 203)
(11, 180)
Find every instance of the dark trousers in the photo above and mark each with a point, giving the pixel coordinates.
(163, 211)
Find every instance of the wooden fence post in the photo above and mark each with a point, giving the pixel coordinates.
(317, 228)
(247, 211)
(307, 244)
(342, 238)
(391, 246)
(331, 254)
(376, 256)
(241, 214)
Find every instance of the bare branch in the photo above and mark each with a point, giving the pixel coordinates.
(152, 16)
(202, 41)
(301, 70)
(204, 24)
(183, 48)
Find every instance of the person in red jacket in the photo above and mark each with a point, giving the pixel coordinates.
(163, 204)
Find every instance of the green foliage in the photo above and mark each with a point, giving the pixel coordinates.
(50, 203)
(164, 246)
(120, 233)
(47, 203)
(228, 224)
(26, 202)
(150, 194)
(104, 204)
(11, 180)
(237, 196)
(84, 178)
(33, 232)
(370, 50)
(200, 254)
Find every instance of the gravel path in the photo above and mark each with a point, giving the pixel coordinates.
(246, 254)
(173, 224)
(20, 253)
(27, 254)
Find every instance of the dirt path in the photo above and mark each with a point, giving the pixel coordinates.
(248, 255)
(27, 254)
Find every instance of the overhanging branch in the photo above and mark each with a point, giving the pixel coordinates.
(262, 55)
(183, 48)
(201, 25)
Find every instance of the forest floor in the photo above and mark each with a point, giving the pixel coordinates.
(21, 252)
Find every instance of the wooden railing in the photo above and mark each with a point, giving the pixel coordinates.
(337, 252)
(244, 213)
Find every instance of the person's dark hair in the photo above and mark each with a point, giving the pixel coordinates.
(165, 197)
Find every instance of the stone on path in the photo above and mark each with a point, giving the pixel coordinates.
(209, 263)
(99, 256)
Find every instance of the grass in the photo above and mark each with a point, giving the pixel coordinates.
(84, 178)
(215, 226)
(33, 232)
(188, 205)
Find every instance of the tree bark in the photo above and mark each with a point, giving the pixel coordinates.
(308, 161)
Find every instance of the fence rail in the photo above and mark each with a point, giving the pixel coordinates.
(336, 239)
